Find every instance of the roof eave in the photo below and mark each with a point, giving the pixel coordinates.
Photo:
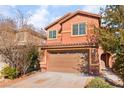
(70, 15)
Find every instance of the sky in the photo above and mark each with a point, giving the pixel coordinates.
(41, 16)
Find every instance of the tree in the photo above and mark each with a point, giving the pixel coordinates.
(17, 56)
(119, 66)
(33, 58)
(7, 31)
(113, 17)
(22, 59)
(22, 19)
(113, 22)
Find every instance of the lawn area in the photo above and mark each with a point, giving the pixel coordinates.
(98, 82)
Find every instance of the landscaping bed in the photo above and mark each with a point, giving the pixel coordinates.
(7, 82)
(98, 82)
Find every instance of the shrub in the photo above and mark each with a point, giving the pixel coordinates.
(98, 83)
(118, 66)
(26, 59)
(33, 59)
(83, 66)
(9, 72)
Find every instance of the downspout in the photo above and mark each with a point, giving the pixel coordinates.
(60, 31)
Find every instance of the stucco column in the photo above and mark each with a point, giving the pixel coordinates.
(89, 60)
(94, 61)
(43, 62)
(101, 62)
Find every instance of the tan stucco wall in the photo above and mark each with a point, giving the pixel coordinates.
(100, 51)
(28, 37)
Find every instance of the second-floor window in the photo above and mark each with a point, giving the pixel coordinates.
(21, 36)
(79, 29)
(52, 34)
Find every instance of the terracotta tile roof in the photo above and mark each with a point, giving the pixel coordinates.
(68, 45)
(80, 12)
(70, 15)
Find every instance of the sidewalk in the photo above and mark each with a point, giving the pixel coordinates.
(111, 77)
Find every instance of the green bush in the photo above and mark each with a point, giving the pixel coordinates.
(33, 59)
(118, 66)
(9, 72)
(98, 83)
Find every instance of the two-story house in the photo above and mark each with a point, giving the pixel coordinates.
(24, 36)
(70, 40)
(19, 38)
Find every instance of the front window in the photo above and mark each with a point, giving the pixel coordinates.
(52, 34)
(79, 29)
(21, 36)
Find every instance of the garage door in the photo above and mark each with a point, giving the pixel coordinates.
(64, 62)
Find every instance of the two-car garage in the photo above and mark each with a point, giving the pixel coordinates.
(66, 61)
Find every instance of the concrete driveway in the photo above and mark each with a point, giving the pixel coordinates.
(52, 80)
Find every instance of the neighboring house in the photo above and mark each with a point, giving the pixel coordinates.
(25, 36)
(21, 37)
(7, 37)
(70, 40)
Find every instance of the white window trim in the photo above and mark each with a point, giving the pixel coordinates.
(78, 28)
(52, 38)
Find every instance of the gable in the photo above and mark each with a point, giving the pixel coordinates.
(89, 21)
(57, 21)
(70, 16)
(89, 15)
